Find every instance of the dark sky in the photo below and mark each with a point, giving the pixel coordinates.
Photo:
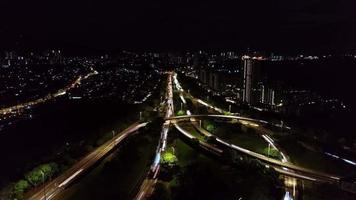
(278, 25)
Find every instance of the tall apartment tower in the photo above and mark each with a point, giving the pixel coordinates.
(214, 81)
(247, 79)
(203, 77)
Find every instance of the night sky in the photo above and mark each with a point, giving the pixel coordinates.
(273, 25)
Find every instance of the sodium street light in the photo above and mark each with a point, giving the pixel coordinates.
(113, 136)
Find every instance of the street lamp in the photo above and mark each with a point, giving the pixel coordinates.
(269, 147)
(44, 186)
(282, 124)
(173, 149)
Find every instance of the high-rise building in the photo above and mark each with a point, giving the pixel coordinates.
(10, 55)
(203, 76)
(214, 81)
(247, 80)
(262, 99)
(210, 79)
(250, 77)
(267, 95)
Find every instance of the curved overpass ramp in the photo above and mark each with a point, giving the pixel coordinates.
(281, 167)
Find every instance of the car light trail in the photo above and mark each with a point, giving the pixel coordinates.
(182, 98)
(183, 131)
(119, 138)
(156, 172)
(144, 99)
(70, 178)
(287, 196)
(271, 142)
(63, 91)
(343, 159)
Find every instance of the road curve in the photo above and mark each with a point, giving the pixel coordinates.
(282, 167)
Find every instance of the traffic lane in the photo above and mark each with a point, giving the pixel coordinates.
(83, 164)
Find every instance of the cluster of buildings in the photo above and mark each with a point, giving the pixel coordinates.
(244, 84)
(243, 78)
(12, 58)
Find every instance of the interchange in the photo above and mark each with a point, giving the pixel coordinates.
(283, 167)
(147, 187)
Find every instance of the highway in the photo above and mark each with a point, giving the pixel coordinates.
(290, 182)
(60, 92)
(50, 189)
(283, 167)
(147, 187)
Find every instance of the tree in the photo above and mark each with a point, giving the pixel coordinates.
(169, 158)
(34, 177)
(273, 153)
(210, 128)
(19, 188)
(180, 113)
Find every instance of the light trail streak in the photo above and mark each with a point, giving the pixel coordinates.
(70, 178)
(27, 105)
(343, 159)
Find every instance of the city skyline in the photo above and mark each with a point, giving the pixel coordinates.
(172, 100)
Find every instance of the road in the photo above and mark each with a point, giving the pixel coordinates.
(290, 182)
(147, 187)
(283, 167)
(54, 187)
(21, 106)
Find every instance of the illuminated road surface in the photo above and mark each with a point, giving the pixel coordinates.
(19, 107)
(253, 123)
(280, 166)
(51, 189)
(147, 187)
